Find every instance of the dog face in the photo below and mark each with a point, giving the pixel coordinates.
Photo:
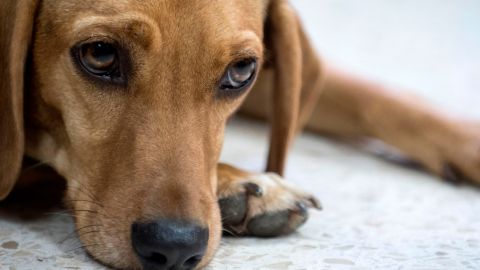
(128, 101)
(133, 98)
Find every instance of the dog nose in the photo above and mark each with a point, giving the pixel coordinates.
(169, 244)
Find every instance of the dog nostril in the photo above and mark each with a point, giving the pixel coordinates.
(193, 261)
(158, 259)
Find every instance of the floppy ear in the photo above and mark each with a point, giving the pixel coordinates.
(16, 27)
(298, 79)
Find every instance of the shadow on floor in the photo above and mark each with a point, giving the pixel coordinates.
(39, 190)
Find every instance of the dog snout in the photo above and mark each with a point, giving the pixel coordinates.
(169, 244)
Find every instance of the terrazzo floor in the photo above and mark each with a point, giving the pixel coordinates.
(377, 215)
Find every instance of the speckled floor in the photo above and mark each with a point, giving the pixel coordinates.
(377, 215)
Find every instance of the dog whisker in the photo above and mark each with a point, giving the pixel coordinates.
(86, 233)
(81, 191)
(86, 201)
(61, 214)
(64, 214)
(230, 232)
(39, 164)
(81, 247)
(226, 217)
(84, 189)
(76, 231)
(76, 236)
(88, 211)
(99, 214)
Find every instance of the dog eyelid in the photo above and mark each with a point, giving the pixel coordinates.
(238, 76)
(103, 60)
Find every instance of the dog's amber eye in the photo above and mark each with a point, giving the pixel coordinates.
(101, 60)
(99, 57)
(239, 75)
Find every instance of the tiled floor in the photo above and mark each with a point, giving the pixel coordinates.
(377, 215)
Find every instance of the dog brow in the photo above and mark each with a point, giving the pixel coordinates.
(138, 27)
(247, 44)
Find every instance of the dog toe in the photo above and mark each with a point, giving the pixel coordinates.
(270, 224)
(233, 209)
(278, 223)
(265, 206)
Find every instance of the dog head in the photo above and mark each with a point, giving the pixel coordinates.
(128, 100)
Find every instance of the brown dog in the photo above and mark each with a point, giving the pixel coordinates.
(128, 100)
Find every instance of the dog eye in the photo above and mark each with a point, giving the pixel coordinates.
(239, 75)
(101, 60)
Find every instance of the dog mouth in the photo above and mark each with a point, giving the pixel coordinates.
(124, 239)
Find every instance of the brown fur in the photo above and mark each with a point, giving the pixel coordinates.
(151, 150)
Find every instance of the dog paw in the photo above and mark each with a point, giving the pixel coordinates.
(463, 167)
(461, 156)
(264, 205)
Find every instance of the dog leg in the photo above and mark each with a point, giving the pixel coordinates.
(260, 204)
(350, 107)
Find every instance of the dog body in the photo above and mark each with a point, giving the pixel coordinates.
(128, 101)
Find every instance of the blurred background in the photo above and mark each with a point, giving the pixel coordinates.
(431, 47)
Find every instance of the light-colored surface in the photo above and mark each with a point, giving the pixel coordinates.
(377, 215)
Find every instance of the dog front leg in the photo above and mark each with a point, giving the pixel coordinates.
(261, 205)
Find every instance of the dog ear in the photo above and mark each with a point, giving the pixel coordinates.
(298, 79)
(16, 28)
(284, 53)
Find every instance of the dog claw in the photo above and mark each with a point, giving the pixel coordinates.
(315, 203)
